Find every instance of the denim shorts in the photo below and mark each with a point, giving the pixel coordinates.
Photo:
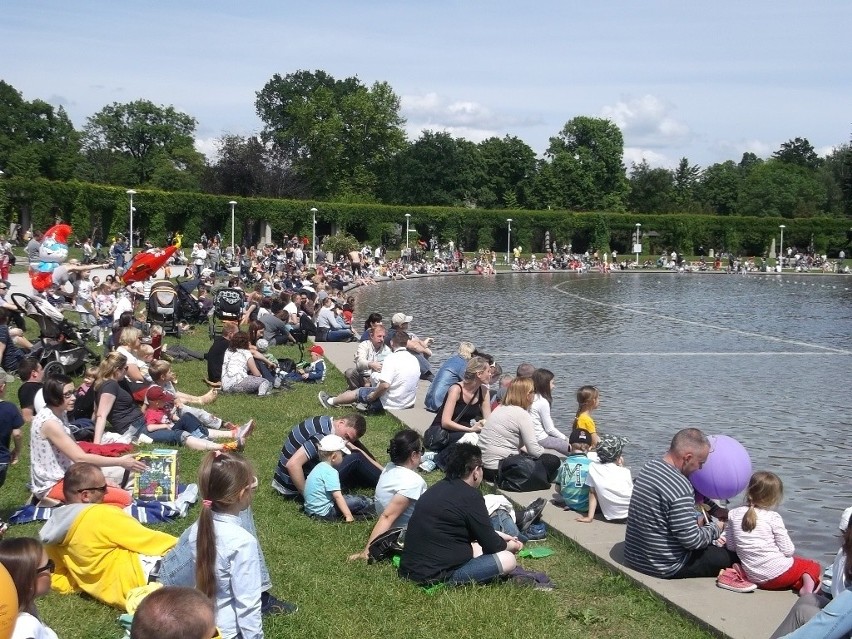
(479, 570)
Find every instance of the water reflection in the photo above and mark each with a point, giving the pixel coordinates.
(763, 359)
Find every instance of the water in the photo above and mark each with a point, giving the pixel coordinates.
(764, 359)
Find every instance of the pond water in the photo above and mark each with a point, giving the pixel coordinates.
(766, 359)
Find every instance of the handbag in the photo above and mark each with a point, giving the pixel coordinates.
(436, 437)
(521, 473)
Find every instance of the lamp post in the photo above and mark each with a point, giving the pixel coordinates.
(509, 241)
(131, 193)
(407, 222)
(314, 227)
(637, 248)
(781, 249)
(233, 204)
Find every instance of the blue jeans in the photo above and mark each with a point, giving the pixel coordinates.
(360, 506)
(832, 622)
(363, 392)
(178, 566)
(480, 570)
(338, 335)
(188, 424)
(503, 522)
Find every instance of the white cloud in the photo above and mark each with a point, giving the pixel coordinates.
(208, 146)
(635, 155)
(647, 121)
(825, 151)
(734, 149)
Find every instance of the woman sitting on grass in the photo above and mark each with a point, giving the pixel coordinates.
(114, 403)
(129, 341)
(26, 561)
(239, 371)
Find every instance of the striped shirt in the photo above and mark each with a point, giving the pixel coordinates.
(765, 552)
(662, 526)
(306, 434)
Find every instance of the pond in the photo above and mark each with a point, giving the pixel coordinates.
(766, 359)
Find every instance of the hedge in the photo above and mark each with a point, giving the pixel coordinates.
(89, 206)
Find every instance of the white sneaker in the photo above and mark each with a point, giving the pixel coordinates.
(243, 433)
(265, 389)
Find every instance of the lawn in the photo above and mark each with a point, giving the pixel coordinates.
(307, 559)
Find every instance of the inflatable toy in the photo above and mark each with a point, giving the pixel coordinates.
(52, 252)
(8, 604)
(726, 471)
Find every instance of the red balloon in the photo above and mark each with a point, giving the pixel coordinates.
(146, 264)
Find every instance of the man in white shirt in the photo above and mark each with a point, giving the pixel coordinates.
(368, 359)
(397, 382)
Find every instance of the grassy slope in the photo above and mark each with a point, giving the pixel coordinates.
(308, 562)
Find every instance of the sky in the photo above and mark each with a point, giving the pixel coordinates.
(705, 81)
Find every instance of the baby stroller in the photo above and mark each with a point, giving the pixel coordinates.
(60, 347)
(227, 307)
(169, 305)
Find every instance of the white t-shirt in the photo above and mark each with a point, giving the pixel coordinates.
(613, 485)
(122, 304)
(402, 371)
(235, 367)
(84, 295)
(28, 627)
(399, 480)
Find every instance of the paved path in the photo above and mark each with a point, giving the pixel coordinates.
(738, 616)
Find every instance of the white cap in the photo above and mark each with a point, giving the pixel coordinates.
(332, 444)
(844, 519)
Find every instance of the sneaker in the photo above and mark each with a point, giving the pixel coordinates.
(276, 383)
(144, 439)
(243, 433)
(265, 389)
(531, 514)
(361, 407)
(269, 605)
(536, 532)
(731, 579)
(323, 399)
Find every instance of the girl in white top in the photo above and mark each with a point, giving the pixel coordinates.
(30, 569)
(239, 371)
(758, 536)
(545, 432)
(399, 487)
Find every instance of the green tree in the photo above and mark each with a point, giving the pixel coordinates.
(833, 173)
(35, 140)
(586, 160)
(336, 134)
(141, 139)
(719, 186)
(509, 165)
(651, 190)
(685, 178)
(799, 152)
(779, 189)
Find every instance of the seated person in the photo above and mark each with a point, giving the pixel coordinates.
(397, 382)
(129, 341)
(216, 355)
(11, 341)
(276, 330)
(399, 487)
(300, 454)
(451, 372)
(30, 568)
(98, 548)
(332, 324)
(314, 372)
(324, 498)
(663, 537)
(420, 348)
(174, 612)
(609, 480)
(450, 538)
(368, 358)
(571, 478)
(239, 370)
(53, 450)
(30, 373)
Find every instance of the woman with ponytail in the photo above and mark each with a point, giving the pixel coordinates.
(758, 535)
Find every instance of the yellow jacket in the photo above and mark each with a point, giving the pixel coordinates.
(96, 549)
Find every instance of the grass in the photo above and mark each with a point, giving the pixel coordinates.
(307, 559)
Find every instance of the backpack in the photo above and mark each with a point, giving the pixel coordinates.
(522, 473)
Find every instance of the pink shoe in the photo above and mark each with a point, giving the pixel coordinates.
(734, 579)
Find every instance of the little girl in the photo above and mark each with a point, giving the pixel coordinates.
(588, 399)
(545, 432)
(758, 536)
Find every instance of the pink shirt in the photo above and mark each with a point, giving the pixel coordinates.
(767, 551)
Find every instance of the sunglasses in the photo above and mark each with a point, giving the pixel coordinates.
(48, 567)
(102, 489)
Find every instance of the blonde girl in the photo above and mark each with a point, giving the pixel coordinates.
(588, 399)
(757, 534)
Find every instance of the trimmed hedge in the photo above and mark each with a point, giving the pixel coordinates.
(89, 206)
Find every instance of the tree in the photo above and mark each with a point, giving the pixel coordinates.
(799, 152)
(336, 134)
(138, 139)
(719, 186)
(685, 177)
(586, 162)
(779, 189)
(651, 190)
(35, 140)
(834, 174)
(509, 165)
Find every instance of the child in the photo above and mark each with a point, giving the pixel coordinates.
(314, 372)
(588, 399)
(164, 424)
(226, 555)
(758, 536)
(610, 483)
(145, 354)
(574, 471)
(104, 305)
(323, 497)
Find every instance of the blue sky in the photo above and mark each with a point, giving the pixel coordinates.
(703, 80)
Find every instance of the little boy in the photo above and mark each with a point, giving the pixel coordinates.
(574, 470)
(314, 372)
(610, 483)
(323, 497)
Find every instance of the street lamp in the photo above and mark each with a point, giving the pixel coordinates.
(233, 204)
(407, 221)
(314, 251)
(131, 193)
(781, 250)
(637, 247)
(509, 241)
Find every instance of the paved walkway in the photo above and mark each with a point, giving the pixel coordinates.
(738, 616)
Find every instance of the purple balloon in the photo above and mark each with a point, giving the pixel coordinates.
(726, 471)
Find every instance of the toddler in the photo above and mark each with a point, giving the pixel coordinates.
(323, 497)
(610, 483)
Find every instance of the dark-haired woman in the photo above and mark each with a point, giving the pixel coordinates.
(53, 450)
(399, 486)
(26, 561)
(545, 432)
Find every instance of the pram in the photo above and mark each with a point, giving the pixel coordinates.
(169, 305)
(227, 307)
(60, 347)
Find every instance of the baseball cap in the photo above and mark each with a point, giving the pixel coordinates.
(400, 318)
(155, 393)
(580, 436)
(333, 443)
(844, 519)
(262, 345)
(316, 348)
